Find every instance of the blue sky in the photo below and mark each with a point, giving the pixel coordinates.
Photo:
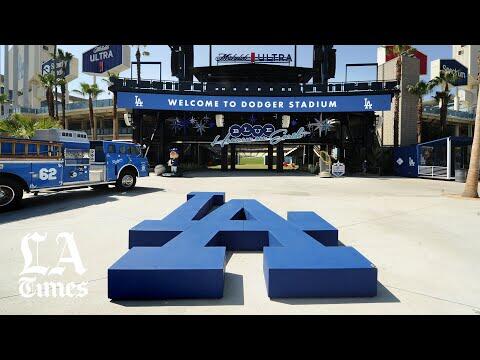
(345, 54)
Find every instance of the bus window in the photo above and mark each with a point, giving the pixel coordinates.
(122, 149)
(134, 150)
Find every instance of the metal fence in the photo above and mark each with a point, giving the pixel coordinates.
(109, 131)
(435, 110)
(72, 106)
(251, 88)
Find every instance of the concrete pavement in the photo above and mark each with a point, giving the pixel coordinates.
(424, 240)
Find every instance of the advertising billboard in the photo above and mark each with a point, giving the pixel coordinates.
(104, 58)
(449, 64)
(71, 68)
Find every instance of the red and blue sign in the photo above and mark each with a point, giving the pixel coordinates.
(346, 103)
(102, 58)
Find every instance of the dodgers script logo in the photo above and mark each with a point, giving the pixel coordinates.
(248, 133)
(184, 254)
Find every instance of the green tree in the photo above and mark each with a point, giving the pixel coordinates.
(92, 91)
(4, 100)
(398, 51)
(64, 58)
(48, 82)
(24, 126)
(471, 185)
(443, 97)
(420, 89)
(110, 80)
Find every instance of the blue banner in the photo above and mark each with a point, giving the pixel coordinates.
(347, 103)
(102, 58)
(48, 66)
(456, 67)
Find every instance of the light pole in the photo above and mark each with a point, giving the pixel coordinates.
(15, 77)
(26, 64)
(6, 107)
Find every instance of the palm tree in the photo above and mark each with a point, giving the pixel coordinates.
(111, 78)
(445, 78)
(63, 85)
(64, 58)
(48, 81)
(420, 89)
(56, 79)
(138, 55)
(398, 51)
(3, 101)
(24, 126)
(471, 185)
(92, 91)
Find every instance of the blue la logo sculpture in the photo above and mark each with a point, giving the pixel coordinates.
(184, 255)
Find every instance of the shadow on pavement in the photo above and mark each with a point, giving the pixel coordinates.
(232, 295)
(383, 296)
(264, 173)
(242, 173)
(55, 202)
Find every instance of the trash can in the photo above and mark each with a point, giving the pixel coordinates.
(461, 175)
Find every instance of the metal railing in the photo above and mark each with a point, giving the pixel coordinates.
(440, 172)
(72, 106)
(435, 110)
(253, 88)
(13, 148)
(109, 131)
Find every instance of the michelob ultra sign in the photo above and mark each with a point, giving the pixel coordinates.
(104, 58)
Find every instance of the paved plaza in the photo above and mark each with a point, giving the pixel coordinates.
(423, 238)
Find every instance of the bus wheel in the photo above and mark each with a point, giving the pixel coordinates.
(126, 181)
(11, 193)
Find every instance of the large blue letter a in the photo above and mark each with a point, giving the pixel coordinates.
(183, 255)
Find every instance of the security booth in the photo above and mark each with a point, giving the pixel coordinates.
(445, 159)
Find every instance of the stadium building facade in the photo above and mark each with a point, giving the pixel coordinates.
(286, 114)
